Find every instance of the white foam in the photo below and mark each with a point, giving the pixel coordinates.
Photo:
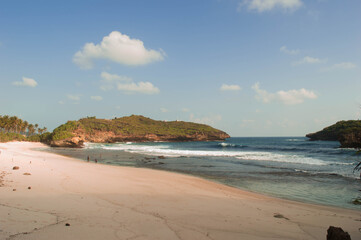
(274, 157)
(294, 140)
(241, 155)
(227, 144)
(165, 150)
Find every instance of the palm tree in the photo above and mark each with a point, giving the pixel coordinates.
(19, 124)
(25, 126)
(12, 123)
(6, 123)
(31, 129)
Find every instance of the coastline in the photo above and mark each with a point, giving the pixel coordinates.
(292, 169)
(113, 202)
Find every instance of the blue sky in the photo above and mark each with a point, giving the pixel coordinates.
(249, 67)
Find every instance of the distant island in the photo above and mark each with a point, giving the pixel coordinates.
(134, 128)
(348, 133)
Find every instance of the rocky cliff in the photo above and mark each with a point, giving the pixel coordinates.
(133, 129)
(347, 132)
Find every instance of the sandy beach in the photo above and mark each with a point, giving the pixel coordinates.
(48, 192)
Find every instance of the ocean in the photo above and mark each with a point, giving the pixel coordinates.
(286, 167)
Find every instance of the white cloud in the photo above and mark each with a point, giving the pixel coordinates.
(226, 87)
(269, 5)
(126, 84)
(96, 98)
(209, 120)
(141, 87)
(119, 48)
(309, 60)
(27, 82)
(114, 77)
(163, 110)
(61, 102)
(340, 66)
(289, 97)
(344, 65)
(74, 97)
(284, 49)
(185, 110)
(109, 81)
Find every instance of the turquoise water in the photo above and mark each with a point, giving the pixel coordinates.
(287, 167)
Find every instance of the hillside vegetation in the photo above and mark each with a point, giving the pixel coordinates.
(347, 132)
(132, 128)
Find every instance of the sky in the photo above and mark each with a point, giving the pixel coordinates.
(248, 67)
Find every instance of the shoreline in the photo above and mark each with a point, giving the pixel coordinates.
(210, 179)
(116, 202)
(170, 163)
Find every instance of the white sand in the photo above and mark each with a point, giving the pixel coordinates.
(109, 202)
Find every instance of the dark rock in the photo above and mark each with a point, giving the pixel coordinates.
(67, 224)
(277, 215)
(29, 188)
(14, 190)
(357, 201)
(16, 168)
(161, 157)
(336, 233)
(160, 163)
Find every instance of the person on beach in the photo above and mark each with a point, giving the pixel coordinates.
(88, 159)
(96, 160)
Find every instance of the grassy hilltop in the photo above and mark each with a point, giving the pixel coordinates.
(132, 128)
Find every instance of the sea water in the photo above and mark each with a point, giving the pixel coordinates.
(288, 167)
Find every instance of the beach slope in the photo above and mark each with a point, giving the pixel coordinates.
(55, 197)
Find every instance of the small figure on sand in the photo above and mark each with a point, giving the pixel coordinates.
(96, 160)
(88, 159)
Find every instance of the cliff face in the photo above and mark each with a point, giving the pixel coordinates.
(131, 129)
(351, 140)
(347, 132)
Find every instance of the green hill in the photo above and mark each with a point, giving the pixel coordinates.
(347, 132)
(132, 128)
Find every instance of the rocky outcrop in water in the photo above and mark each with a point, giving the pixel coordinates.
(348, 133)
(131, 129)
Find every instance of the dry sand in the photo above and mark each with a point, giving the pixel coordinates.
(109, 202)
